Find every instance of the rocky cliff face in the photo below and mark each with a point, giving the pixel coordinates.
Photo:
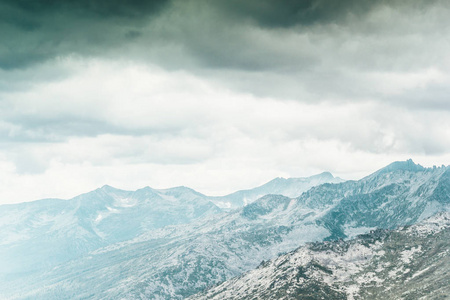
(409, 263)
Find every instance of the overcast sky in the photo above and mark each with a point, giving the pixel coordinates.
(217, 95)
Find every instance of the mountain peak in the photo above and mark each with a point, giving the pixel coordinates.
(107, 188)
(324, 175)
(407, 165)
(179, 190)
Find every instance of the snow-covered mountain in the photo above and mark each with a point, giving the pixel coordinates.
(41, 234)
(72, 228)
(410, 263)
(179, 260)
(289, 187)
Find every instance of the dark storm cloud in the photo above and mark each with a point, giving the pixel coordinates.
(288, 49)
(33, 31)
(212, 32)
(272, 13)
(291, 13)
(308, 50)
(97, 88)
(99, 8)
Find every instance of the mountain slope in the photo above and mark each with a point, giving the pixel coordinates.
(289, 187)
(391, 197)
(410, 263)
(176, 261)
(61, 230)
(41, 234)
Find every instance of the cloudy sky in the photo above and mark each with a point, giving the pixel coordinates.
(217, 95)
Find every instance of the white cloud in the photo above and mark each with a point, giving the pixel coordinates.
(127, 125)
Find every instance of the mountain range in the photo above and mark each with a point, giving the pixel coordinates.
(289, 187)
(173, 243)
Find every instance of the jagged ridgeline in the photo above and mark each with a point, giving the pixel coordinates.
(171, 244)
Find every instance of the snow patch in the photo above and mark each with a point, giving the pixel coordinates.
(407, 255)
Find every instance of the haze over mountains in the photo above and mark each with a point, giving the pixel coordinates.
(108, 215)
(289, 187)
(173, 243)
